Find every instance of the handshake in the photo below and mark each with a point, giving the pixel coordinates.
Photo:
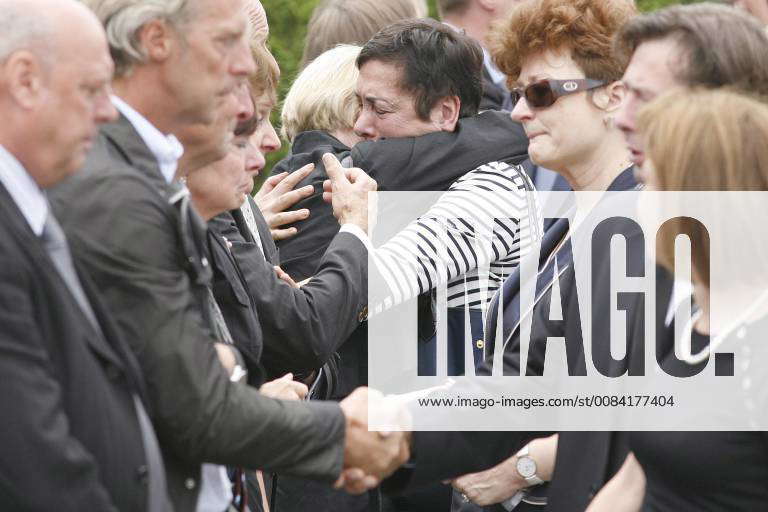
(371, 456)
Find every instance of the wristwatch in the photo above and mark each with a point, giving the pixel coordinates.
(526, 467)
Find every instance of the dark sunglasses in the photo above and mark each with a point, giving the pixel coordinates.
(545, 93)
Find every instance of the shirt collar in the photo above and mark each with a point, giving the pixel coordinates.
(165, 148)
(24, 191)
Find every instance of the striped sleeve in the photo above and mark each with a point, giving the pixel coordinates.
(482, 223)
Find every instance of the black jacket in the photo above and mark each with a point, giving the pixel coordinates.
(301, 328)
(70, 437)
(494, 97)
(430, 162)
(122, 227)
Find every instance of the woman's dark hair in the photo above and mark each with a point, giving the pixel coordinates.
(436, 62)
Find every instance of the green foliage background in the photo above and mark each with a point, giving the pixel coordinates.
(288, 21)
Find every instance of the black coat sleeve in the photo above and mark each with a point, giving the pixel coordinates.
(303, 328)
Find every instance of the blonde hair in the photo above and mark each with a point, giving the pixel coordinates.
(323, 95)
(704, 140)
(267, 75)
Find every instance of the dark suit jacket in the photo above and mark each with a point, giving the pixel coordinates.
(494, 97)
(301, 328)
(70, 436)
(126, 233)
(237, 305)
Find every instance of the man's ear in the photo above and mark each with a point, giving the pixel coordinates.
(445, 115)
(23, 76)
(157, 39)
(610, 97)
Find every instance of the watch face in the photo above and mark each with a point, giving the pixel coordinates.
(526, 466)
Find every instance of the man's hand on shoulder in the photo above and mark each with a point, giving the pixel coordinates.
(347, 191)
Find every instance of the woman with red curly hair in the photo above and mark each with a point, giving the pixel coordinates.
(562, 67)
(559, 59)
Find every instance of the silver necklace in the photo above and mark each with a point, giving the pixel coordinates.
(714, 341)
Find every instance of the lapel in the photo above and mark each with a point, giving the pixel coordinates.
(225, 262)
(242, 225)
(271, 252)
(30, 244)
(510, 290)
(270, 249)
(511, 287)
(125, 139)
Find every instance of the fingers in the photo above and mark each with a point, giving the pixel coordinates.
(334, 170)
(290, 198)
(283, 218)
(284, 388)
(271, 182)
(377, 455)
(283, 234)
(359, 176)
(355, 481)
(299, 389)
(283, 275)
(293, 179)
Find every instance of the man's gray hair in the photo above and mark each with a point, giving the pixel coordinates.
(123, 19)
(23, 29)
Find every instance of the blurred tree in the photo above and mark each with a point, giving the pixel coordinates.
(288, 25)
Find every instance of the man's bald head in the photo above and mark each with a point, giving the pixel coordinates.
(55, 72)
(37, 25)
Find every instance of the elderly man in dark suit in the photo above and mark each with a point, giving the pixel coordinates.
(75, 433)
(178, 65)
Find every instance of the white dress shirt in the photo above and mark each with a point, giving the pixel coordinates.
(24, 191)
(166, 148)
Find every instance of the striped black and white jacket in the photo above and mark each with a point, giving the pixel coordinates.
(471, 239)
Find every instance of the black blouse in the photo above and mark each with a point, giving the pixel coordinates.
(703, 471)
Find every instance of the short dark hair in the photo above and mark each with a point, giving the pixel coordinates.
(436, 62)
(722, 46)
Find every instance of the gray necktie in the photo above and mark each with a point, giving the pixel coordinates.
(55, 243)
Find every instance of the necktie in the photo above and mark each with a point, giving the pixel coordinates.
(55, 243)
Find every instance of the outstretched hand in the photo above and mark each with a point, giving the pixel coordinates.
(277, 194)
